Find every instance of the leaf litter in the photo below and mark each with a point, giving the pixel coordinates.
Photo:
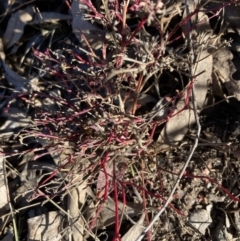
(98, 120)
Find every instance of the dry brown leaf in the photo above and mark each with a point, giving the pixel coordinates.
(14, 79)
(230, 12)
(104, 180)
(80, 26)
(108, 214)
(59, 152)
(216, 86)
(223, 70)
(15, 118)
(6, 4)
(76, 196)
(3, 202)
(192, 5)
(202, 29)
(18, 82)
(233, 88)
(142, 100)
(201, 219)
(16, 25)
(222, 63)
(231, 15)
(205, 64)
(204, 59)
(2, 54)
(4, 206)
(49, 17)
(9, 236)
(134, 232)
(45, 227)
(76, 200)
(176, 128)
(161, 109)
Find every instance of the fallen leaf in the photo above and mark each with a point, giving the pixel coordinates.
(233, 88)
(76, 200)
(216, 86)
(18, 82)
(80, 26)
(2, 54)
(230, 13)
(201, 218)
(6, 4)
(107, 215)
(177, 126)
(205, 67)
(142, 100)
(223, 65)
(161, 109)
(45, 227)
(192, 5)
(104, 180)
(52, 17)
(224, 69)
(15, 118)
(16, 25)
(134, 232)
(4, 206)
(9, 236)
(59, 152)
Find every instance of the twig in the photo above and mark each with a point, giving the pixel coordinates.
(196, 139)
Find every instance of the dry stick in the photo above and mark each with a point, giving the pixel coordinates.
(195, 143)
